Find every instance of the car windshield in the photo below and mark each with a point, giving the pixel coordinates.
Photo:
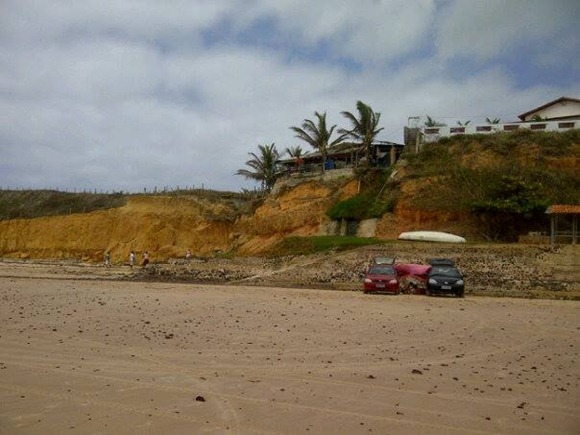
(382, 270)
(445, 271)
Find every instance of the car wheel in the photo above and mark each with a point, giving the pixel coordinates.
(366, 292)
(461, 295)
(427, 292)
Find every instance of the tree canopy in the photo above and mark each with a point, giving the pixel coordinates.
(262, 166)
(317, 134)
(364, 127)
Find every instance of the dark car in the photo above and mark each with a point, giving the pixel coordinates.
(381, 278)
(445, 279)
(441, 262)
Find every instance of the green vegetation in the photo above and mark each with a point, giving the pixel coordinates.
(311, 245)
(317, 134)
(364, 127)
(362, 206)
(363, 131)
(432, 122)
(36, 203)
(505, 180)
(377, 197)
(262, 166)
(551, 143)
(27, 204)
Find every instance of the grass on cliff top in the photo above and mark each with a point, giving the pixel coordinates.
(315, 244)
(503, 181)
(27, 204)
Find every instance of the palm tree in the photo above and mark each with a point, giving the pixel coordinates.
(295, 152)
(463, 124)
(317, 135)
(493, 121)
(431, 122)
(262, 166)
(364, 127)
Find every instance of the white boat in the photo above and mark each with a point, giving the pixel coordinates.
(431, 236)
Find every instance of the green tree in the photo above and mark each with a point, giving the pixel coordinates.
(295, 152)
(262, 166)
(492, 121)
(431, 122)
(463, 124)
(364, 127)
(317, 134)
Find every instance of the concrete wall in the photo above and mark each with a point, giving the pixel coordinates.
(433, 134)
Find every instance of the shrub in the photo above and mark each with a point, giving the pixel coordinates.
(310, 245)
(362, 206)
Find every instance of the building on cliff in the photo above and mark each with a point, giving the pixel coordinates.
(342, 156)
(561, 114)
(561, 109)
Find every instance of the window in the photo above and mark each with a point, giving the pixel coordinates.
(538, 126)
(483, 128)
(510, 127)
(457, 129)
(565, 125)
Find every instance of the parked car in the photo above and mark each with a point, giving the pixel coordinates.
(441, 262)
(381, 278)
(412, 277)
(445, 278)
(383, 260)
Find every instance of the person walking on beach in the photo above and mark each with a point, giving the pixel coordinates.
(108, 259)
(145, 258)
(132, 259)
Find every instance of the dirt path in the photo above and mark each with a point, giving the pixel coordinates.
(79, 356)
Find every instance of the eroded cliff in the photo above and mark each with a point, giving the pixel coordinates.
(164, 226)
(429, 194)
(168, 226)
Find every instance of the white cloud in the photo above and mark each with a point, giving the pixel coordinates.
(117, 98)
(486, 29)
(363, 30)
(44, 22)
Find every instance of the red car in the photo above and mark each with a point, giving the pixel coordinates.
(412, 277)
(381, 278)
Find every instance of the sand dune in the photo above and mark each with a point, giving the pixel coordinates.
(101, 356)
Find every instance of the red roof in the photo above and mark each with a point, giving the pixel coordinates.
(551, 103)
(563, 209)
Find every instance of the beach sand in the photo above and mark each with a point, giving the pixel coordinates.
(81, 353)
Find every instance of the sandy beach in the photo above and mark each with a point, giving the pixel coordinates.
(90, 355)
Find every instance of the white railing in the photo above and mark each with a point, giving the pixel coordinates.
(433, 134)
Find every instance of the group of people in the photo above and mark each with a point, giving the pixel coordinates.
(133, 258)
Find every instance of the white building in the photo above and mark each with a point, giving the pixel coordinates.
(563, 108)
(559, 115)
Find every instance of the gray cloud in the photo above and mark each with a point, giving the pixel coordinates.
(110, 97)
(486, 29)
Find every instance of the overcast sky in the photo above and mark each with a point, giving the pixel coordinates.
(133, 94)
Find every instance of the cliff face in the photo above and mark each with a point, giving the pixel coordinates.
(168, 226)
(295, 211)
(165, 226)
